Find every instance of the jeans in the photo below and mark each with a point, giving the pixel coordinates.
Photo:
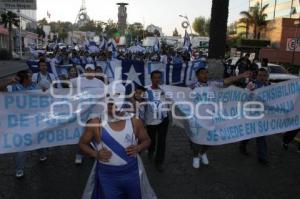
(288, 137)
(198, 149)
(261, 147)
(21, 158)
(158, 136)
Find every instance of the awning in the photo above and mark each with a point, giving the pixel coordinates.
(3, 31)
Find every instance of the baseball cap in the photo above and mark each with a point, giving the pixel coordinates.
(90, 66)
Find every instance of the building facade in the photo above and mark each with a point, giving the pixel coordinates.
(28, 25)
(285, 41)
(279, 8)
(3, 38)
(152, 28)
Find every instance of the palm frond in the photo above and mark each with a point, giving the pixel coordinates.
(264, 8)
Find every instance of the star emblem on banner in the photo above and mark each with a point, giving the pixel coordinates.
(133, 76)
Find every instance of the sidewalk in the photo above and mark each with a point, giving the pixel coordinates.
(10, 67)
(230, 175)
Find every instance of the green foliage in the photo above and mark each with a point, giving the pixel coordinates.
(201, 26)
(175, 33)
(110, 28)
(136, 30)
(9, 20)
(42, 22)
(255, 17)
(93, 26)
(40, 32)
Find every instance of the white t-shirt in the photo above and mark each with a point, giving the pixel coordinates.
(84, 83)
(154, 114)
(95, 86)
(43, 81)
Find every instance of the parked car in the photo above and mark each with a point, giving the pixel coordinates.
(277, 72)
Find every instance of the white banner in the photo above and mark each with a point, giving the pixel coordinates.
(31, 120)
(213, 116)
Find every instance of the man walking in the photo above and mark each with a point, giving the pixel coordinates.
(156, 120)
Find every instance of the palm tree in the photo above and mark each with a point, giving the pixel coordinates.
(218, 29)
(9, 20)
(255, 17)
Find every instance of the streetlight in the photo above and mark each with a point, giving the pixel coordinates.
(186, 17)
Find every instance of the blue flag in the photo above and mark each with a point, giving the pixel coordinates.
(176, 74)
(187, 45)
(133, 71)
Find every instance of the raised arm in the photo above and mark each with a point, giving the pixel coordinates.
(230, 80)
(3, 86)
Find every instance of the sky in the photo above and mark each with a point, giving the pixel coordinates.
(162, 13)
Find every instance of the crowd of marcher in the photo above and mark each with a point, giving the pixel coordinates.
(117, 143)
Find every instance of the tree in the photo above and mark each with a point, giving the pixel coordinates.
(156, 33)
(218, 29)
(10, 20)
(201, 26)
(93, 26)
(231, 29)
(218, 34)
(136, 30)
(175, 33)
(255, 17)
(111, 28)
(40, 32)
(42, 22)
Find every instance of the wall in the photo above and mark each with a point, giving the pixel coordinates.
(286, 29)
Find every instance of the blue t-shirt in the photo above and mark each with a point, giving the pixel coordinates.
(20, 87)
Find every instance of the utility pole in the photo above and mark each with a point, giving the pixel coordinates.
(275, 6)
(292, 9)
(20, 30)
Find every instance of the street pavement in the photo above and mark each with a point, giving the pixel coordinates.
(10, 67)
(229, 175)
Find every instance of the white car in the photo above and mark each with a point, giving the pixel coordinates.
(62, 46)
(277, 72)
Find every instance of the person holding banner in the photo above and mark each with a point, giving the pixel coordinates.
(262, 80)
(288, 137)
(75, 60)
(43, 78)
(72, 72)
(200, 151)
(23, 82)
(157, 120)
(99, 74)
(117, 142)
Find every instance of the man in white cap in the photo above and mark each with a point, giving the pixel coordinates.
(85, 82)
(88, 79)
